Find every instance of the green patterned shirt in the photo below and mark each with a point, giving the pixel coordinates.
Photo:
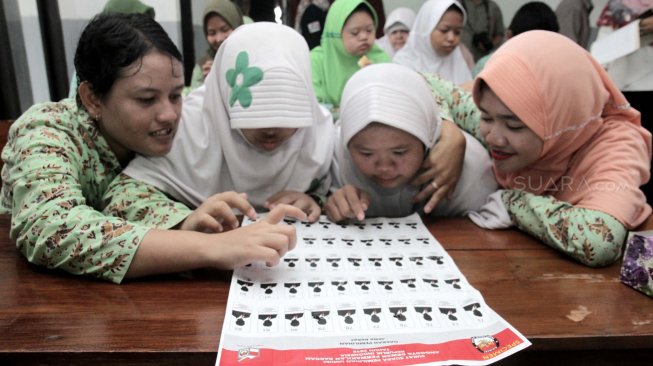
(57, 167)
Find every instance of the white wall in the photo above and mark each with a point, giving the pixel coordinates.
(389, 5)
(74, 16)
(38, 76)
(199, 41)
(76, 13)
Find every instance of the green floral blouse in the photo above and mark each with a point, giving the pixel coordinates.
(137, 201)
(57, 167)
(592, 237)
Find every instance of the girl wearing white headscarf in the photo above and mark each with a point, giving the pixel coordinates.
(397, 26)
(396, 96)
(255, 127)
(420, 53)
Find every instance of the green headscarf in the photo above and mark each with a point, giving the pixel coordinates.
(127, 7)
(229, 11)
(331, 64)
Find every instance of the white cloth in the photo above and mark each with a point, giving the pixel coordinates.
(400, 18)
(493, 214)
(418, 53)
(210, 154)
(397, 96)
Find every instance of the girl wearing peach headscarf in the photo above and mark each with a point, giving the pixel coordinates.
(567, 148)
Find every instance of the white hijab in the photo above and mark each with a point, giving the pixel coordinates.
(399, 97)
(210, 154)
(400, 18)
(418, 53)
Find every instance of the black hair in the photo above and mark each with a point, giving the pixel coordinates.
(363, 7)
(112, 42)
(533, 15)
(455, 8)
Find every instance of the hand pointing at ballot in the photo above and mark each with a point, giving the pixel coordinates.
(167, 251)
(263, 241)
(349, 202)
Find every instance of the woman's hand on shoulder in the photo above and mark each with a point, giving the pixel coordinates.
(442, 167)
(348, 202)
(265, 240)
(216, 214)
(298, 199)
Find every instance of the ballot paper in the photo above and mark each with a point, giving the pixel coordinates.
(382, 291)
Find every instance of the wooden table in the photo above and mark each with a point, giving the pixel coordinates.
(572, 314)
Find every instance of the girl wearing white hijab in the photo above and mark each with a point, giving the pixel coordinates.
(389, 120)
(255, 127)
(433, 45)
(396, 29)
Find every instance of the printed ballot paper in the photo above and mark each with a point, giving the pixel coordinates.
(382, 291)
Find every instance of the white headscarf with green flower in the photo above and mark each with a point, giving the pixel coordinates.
(254, 83)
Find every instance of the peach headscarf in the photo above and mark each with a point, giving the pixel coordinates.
(596, 154)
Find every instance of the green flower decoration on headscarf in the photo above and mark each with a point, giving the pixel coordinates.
(251, 76)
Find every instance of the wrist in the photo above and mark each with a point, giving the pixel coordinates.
(206, 246)
(319, 199)
(452, 134)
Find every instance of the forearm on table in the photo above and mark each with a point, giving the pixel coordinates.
(62, 231)
(592, 237)
(169, 251)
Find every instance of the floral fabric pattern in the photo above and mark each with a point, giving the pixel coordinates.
(589, 236)
(455, 105)
(57, 168)
(137, 201)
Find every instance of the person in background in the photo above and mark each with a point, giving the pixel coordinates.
(61, 157)
(310, 19)
(347, 46)
(348, 43)
(220, 18)
(256, 127)
(128, 7)
(484, 29)
(260, 10)
(119, 7)
(396, 30)
(569, 152)
(574, 19)
(434, 42)
(530, 16)
(389, 121)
